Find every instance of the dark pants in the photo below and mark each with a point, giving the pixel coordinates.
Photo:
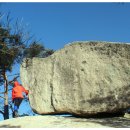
(17, 102)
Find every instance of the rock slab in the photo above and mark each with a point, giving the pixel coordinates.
(83, 78)
(65, 122)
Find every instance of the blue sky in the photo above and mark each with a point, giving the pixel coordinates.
(57, 24)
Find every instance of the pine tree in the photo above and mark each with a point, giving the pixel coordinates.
(13, 49)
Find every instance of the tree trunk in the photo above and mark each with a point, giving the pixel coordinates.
(6, 107)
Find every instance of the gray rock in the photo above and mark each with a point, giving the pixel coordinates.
(127, 115)
(84, 78)
(65, 122)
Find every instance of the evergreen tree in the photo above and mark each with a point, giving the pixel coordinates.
(13, 49)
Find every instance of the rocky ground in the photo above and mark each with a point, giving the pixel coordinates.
(49, 121)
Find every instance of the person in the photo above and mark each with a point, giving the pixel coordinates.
(17, 96)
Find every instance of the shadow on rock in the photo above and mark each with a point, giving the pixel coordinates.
(9, 126)
(116, 122)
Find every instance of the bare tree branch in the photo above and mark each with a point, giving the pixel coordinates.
(8, 21)
(13, 79)
(2, 92)
(14, 74)
(10, 106)
(2, 97)
(2, 112)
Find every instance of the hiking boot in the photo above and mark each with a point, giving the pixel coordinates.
(15, 114)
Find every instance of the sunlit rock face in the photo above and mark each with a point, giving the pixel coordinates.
(83, 78)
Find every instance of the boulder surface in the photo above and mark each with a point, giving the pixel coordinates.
(48, 121)
(83, 78)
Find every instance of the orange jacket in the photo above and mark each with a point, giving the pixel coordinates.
(18, 90)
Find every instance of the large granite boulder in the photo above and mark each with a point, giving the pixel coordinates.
(83, 78)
